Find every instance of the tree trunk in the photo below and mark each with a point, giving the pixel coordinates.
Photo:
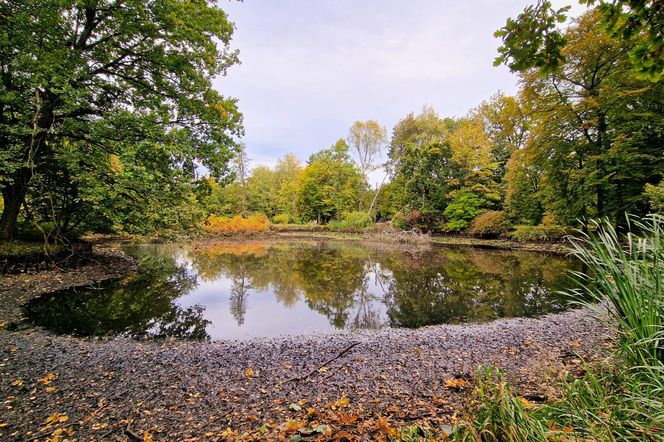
(13, 197)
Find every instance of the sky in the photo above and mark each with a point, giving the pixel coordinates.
(310, 68)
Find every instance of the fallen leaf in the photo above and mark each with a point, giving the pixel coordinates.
(526, 403)
(343, 402)
(456, 383)
(295, 407)
(294, 425)
(17, 383)
(47, 379)
(249, 372)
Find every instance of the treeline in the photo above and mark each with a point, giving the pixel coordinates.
(585, 141)
(582, 140)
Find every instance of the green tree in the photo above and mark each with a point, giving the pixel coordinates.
(597, 128)
(330, 185)
(287, 174)
(106, 75)
(534, 40)
(261, 191)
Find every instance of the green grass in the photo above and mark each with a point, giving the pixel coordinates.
(620, 399)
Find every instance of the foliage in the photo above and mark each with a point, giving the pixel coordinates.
(366, 138)
(594, 137)
(109, 77)
(465, 206)
(655, 194)
(490, 224)
(282, 218)
(222, 225)
(538, 233)
(330, 185)
(628, 272)
(352, 220)
(533, 39)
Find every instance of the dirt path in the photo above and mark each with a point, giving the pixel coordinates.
(123, 389)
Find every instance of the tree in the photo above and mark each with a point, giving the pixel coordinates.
(330, 185)
(287, 172)
(105, 75)
(533, 39)
(261, 191)
(596, 131)
(506, 123)
(367, 138)
(241, 171)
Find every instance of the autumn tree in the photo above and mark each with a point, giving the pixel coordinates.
(534, 39)
(106, 75)
(596, 128)
(287, 172)
(330, 184)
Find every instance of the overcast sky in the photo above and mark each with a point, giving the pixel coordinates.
(310, 68)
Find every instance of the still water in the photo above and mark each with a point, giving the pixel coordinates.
(237, 290)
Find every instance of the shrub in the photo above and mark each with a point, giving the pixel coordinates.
(490, 224)
(282, 218)
(237, 225)
(538, 233)
(352, 220)
(465, 206)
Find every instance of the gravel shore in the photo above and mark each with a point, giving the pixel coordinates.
(117, 389)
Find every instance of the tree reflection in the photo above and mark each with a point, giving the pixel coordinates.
(354, 285)
(142, 305)
(358, 286)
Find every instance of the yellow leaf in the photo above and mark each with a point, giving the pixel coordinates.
(4, 425)
(50, 389)
(55, 417)
(456, 383)
(227, 434)
(249, 372)
(17, 383)
(294, 425)
(343, 402)
(47, 379)
(63, 418)
(209, 434)
(323, 369)
(526, 403)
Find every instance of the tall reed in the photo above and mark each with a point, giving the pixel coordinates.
(622, 398)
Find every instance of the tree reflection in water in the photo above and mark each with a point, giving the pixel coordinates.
(359, 285)
(354, 285)
(138, 306)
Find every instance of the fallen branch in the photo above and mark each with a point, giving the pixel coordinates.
(315, 370)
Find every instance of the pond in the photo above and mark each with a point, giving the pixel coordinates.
(238, 290)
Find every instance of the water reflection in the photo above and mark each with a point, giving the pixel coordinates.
(260, 288)
(134, 306)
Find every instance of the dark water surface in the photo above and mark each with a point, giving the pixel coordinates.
(245, 289)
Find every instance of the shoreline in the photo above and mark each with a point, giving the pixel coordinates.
(179, 389)
(188, 389)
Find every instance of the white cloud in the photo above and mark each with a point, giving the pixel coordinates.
(311, 68)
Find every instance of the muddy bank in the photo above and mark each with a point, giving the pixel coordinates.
(113, 389)
(100, 265)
